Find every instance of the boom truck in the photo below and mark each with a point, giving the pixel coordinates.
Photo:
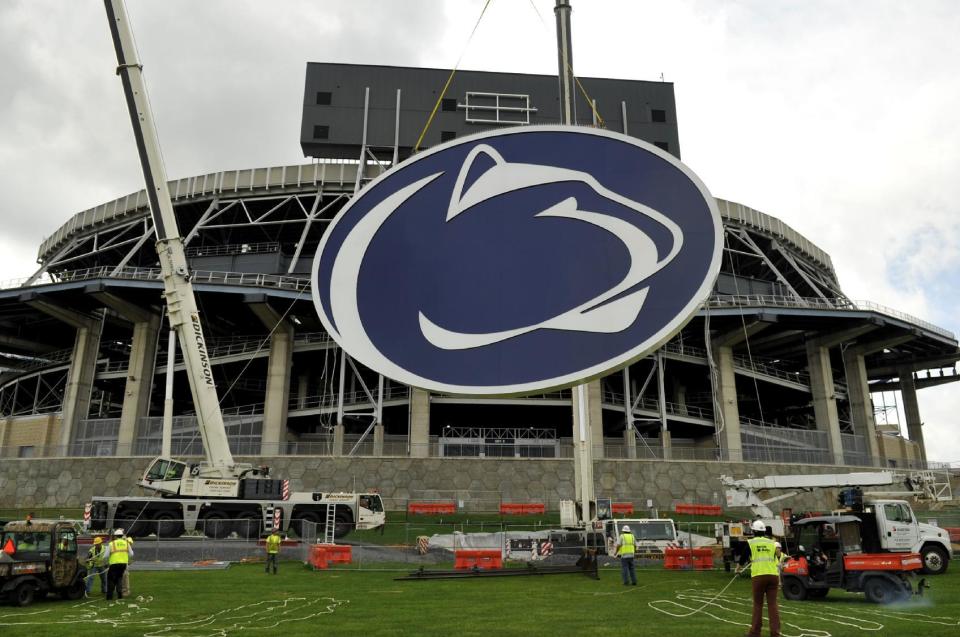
(216, 495)
(890, 522)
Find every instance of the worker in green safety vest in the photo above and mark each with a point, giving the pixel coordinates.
(627, 550)
(117, 555)
(96, 566)
(765, 579)
(273, 550)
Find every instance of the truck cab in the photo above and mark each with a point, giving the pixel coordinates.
(899, 531)
(652, 535)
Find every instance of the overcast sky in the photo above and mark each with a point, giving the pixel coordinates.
(840, 118)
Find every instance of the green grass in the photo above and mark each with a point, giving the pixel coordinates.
(370, 602)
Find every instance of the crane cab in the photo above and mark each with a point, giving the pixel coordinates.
(164, 475)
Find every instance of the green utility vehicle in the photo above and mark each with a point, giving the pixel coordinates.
(39, 557)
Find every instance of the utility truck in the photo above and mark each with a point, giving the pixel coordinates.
(653, 536)
(891, 521)
(217, 494)
(843, 551)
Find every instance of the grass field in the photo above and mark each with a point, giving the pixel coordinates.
(244, 601)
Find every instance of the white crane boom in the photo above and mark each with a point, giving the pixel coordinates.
(178, 291)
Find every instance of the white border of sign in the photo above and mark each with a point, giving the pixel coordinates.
(390, 369)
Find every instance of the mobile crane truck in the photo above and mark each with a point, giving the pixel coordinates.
(891, 522)
(216, 495)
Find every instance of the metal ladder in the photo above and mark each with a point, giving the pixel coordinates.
(328, 530)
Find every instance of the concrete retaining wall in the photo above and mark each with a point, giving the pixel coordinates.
(479, 484)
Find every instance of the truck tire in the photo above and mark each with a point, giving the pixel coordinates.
(343, 525)
(935, 560)
(216, 525)
(24, 594)
(247, 525)
(880, 590)
(75, 591)
(794, 589)
(296, 523)
(166, 524)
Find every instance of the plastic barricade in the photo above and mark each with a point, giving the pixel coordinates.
(478, 558)
(622, 508)
(431, 508)
(318, 556)
(522, 508)
(698, 559)
(698, 509)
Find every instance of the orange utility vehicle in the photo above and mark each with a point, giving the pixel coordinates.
(838, 551)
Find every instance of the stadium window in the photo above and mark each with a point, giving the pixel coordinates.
(324, 98)
(658, 115)
(662, 145)
(321, 132)
(448, 104)
(447, 135)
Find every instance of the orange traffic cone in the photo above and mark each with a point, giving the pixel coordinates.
(9, 548)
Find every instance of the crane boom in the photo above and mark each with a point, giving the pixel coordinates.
(178, 291)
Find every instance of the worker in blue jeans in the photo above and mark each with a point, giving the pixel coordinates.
(627, 550)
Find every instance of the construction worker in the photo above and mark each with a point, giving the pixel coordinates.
(27, 542)
(125, 582)
(96, 566)
(117, 555)
(627, 550)
(765, 579)
(273, 550)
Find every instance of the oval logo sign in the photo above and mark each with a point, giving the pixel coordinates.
(518, 261)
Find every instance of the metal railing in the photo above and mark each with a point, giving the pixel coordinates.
(264, 247)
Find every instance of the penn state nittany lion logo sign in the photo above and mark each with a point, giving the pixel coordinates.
(517, 261)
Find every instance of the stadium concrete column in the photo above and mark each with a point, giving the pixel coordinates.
(83, 362)
(629, 432)
(724, 383)
(822, 387)
(140, 364)
(858, 390)
(419, 423)
(277, 395)
(911, 409)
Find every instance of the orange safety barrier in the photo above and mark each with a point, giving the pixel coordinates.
(697, 559)
(522, 508)
(478, 558)
(698, 509)
(428, 508)
(321, 555)
(623, 508)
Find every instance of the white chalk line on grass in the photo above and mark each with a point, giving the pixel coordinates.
(735, 610)
(263, 615)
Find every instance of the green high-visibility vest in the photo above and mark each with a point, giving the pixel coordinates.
(119, 552)
(273, 543)
(95, 556)
(628, 545)
(763, 557)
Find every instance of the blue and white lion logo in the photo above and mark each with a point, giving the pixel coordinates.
(417, 278)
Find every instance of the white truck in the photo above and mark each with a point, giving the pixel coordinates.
(217, 494)
(652, 536)
(891, 524)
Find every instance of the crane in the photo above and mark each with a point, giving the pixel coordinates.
(217, 495)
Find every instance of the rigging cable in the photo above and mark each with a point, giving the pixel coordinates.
(446, 86)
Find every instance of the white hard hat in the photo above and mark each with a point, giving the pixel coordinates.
(758, 526)
(118, 532)
(625, 529)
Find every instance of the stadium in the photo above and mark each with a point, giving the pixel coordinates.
(779, 367)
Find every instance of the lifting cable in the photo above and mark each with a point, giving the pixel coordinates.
(416, 147)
